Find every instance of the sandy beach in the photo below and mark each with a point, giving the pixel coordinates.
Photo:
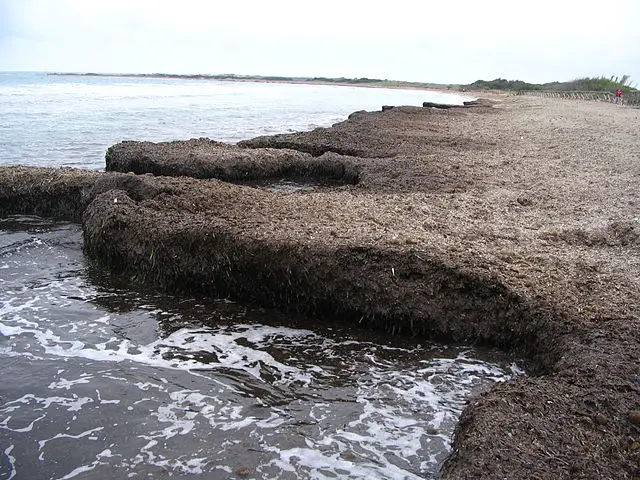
(515, 225)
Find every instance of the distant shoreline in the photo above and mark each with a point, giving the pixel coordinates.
(341, 82)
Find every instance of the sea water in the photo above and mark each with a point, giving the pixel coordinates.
(102, 378)
(71, 120)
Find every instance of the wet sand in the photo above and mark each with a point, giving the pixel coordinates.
(515, 225)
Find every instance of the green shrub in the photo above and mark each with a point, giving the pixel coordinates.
(599, 84)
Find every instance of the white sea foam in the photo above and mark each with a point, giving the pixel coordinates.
(67, 384)
(42, 443)
(177, 351)
(12, 461)
(81, 469)
(389, 436)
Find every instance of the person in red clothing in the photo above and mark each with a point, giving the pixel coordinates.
(618, 95)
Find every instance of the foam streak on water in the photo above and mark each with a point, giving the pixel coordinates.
(104, 382)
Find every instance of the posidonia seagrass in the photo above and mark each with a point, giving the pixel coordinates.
(515, 226)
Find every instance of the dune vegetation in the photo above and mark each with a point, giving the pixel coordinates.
(589, 84)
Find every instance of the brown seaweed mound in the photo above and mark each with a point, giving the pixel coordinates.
(513, 226)
(204, 158)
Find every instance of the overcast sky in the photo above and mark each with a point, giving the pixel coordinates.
(444, 42)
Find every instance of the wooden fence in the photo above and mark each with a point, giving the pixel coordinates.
(628, 98)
